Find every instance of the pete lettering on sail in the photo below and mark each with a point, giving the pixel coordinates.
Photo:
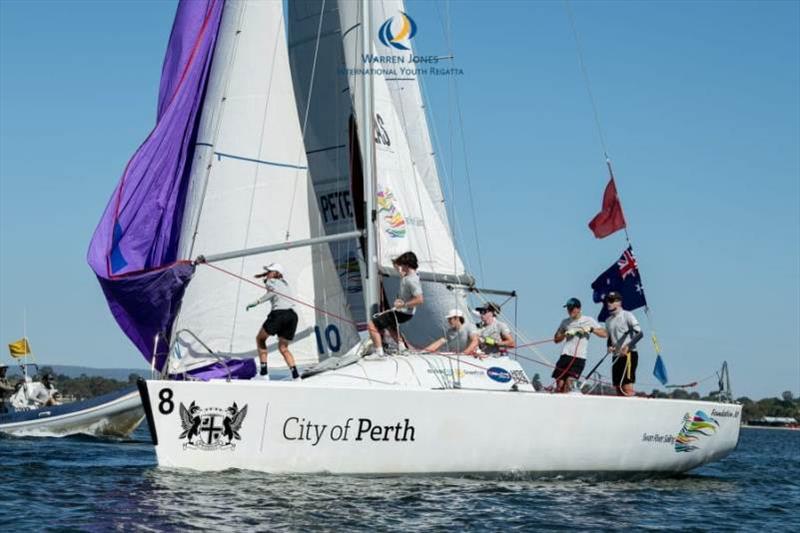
(361, 429)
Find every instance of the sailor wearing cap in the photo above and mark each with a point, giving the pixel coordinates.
(624, 332)
(494, 335)
(281, 321)
(575, 330)
(460, 336)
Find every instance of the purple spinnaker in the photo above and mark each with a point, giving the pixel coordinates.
(134, 249)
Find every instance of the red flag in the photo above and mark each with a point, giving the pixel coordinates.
(610, 218)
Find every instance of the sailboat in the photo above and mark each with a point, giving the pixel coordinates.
(232, 178)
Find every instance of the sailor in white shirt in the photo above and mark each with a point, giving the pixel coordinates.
(624, 332)
(460, 336)
(575, 330)
(495, 336)
(281, 321)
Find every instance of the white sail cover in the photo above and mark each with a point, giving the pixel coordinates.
(250, 187)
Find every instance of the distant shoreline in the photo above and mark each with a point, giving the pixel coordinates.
(746, 426)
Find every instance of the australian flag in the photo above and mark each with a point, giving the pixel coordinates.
(623, 277)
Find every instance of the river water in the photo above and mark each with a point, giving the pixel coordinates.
(81, 483)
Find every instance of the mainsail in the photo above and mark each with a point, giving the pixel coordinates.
(410, 206)
(249, 188)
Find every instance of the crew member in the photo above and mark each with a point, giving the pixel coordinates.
(409, 297)
(624, 332)
(6, 388)
(281, 321)
(494, 335)
(460, 337)
(45, 393)
(575, 330)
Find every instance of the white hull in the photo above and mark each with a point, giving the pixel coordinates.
(118, 417)
(372, 428)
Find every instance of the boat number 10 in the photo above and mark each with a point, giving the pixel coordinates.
(332, 339)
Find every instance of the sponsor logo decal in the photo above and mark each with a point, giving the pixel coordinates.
(211, 428)
(399, 40)
(394, 222)
(694, 427)
(305, 431)
(501, 375)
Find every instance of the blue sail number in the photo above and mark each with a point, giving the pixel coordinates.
(332, 338)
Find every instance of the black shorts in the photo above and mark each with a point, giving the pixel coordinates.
(390, 320)
(619, 373)
(282, 323)
(574, 364)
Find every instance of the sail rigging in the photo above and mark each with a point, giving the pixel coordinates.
(246, 195)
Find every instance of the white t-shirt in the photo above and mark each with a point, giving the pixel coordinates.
(277, 289)
(457, 340)
(577, 345)
(620, 323)
(495, 330)
(410, 286)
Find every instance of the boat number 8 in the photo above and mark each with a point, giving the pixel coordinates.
(166, 405)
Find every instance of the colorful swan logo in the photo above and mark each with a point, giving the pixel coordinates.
(406, 33)
(392, 217)
(693, 428)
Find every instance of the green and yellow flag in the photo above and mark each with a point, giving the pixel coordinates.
(19, 348)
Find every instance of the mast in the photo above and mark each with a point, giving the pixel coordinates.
(371, 284)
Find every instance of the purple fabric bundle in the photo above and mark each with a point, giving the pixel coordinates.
(134, 248)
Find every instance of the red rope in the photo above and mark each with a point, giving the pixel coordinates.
(314, 307)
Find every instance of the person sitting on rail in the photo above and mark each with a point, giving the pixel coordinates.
(409, 297)
(281, 321)
(495, 336)
(460, 337)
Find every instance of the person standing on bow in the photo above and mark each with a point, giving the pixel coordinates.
(281, 321)
(460, 336)
(495, 336)
(574, 331)
(409, 297)
(624, 332)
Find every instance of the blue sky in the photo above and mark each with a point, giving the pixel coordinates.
(700, 107)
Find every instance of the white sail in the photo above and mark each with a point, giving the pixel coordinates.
(327, 132)
(329, 146)
(407, 216)
(250, 187)
(410, 106)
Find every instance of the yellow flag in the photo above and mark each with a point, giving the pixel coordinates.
(19, 348)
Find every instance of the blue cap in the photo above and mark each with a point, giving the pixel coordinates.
(573, 302)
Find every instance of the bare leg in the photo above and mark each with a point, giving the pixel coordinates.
(261, 345)
(283, 347)
(375, 335)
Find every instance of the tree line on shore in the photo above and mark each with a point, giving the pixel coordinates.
(84, 387)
